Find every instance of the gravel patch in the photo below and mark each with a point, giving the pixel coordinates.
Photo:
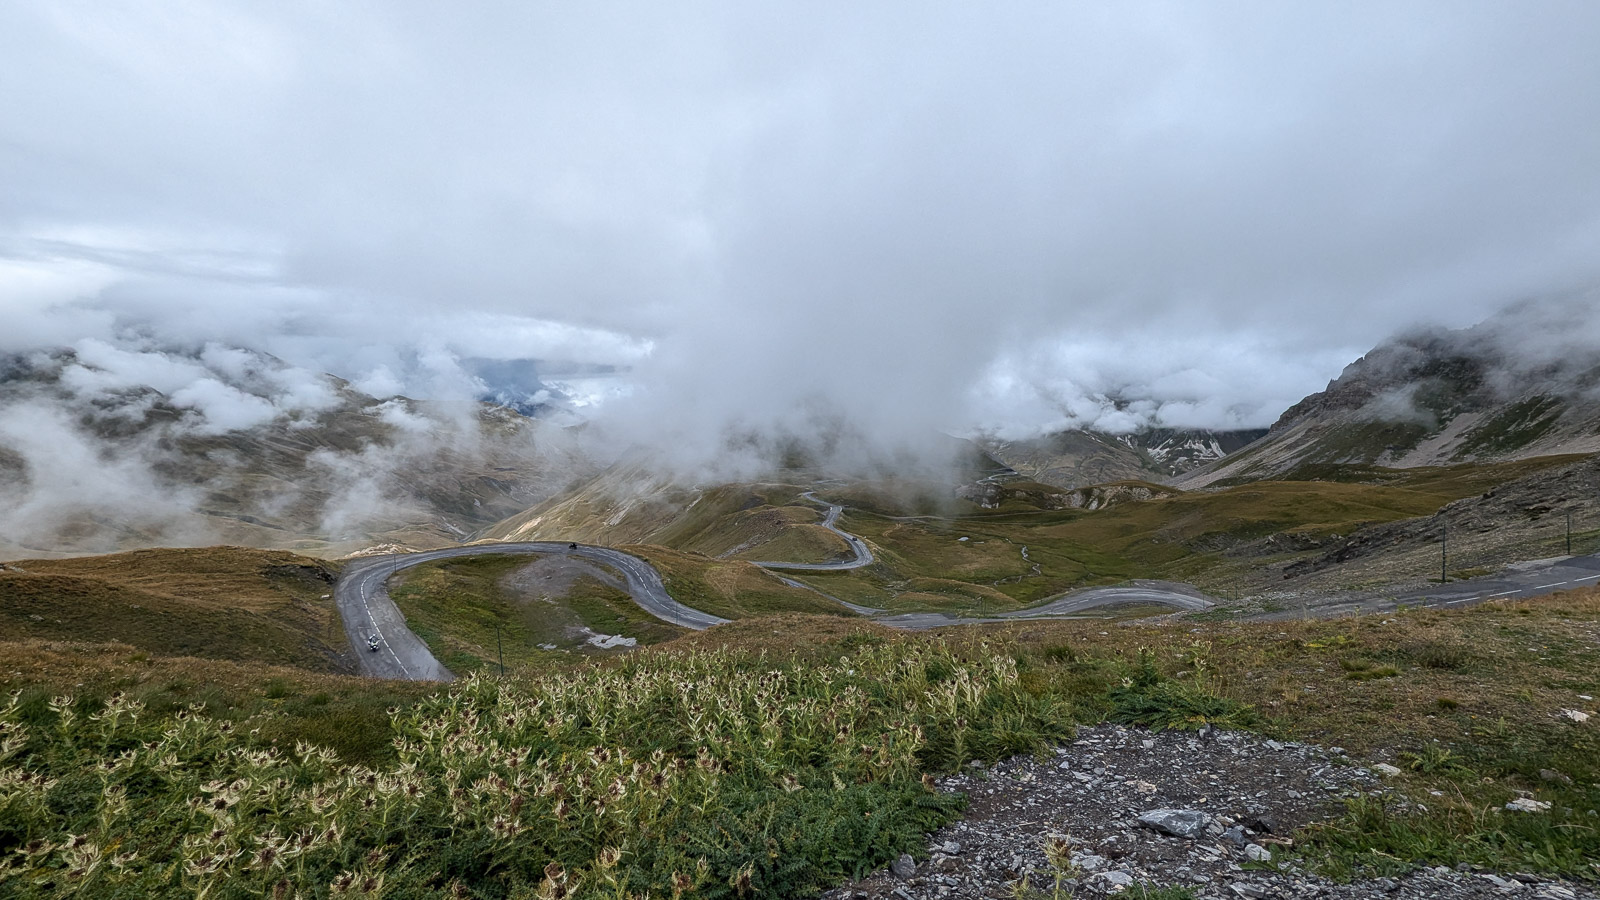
(1206, 811)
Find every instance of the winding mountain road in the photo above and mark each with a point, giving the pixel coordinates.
(1180, 596)
(1068, 605)
(365, 606)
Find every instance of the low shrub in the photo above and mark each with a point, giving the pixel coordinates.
(671, 773)
(1149, 699)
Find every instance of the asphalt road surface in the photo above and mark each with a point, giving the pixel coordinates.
(1070, 604)
(365, 606)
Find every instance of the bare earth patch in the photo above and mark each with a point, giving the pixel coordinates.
(554, 576)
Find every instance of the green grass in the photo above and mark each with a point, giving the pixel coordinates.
(733, 589)
(1187, 536)
(469, 615)
(793, 808)
(730, 517)
(804, 543)
(1215, 538)
(1519, 425)
(1170, 537)
(280, 705)
(215, 602)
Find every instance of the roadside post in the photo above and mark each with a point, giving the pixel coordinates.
(1444, 552)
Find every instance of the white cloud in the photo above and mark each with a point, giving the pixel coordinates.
(903, 217)
(223, 408)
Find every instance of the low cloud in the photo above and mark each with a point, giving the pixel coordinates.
(735, 226)
(104, 447)
(63, 479)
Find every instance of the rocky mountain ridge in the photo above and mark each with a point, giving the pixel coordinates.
(1080, 458)
(1513, 387)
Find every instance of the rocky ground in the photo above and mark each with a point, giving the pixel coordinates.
(1123, 811)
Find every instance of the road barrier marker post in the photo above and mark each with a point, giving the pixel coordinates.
(499, 649)
(1444, 552)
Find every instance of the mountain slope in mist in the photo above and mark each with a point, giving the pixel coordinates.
(1075, 459)
(760, 516)
(1523, 384)
(104, 449)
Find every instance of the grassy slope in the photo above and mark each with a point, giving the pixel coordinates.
(1465, 702)
(456, 605)
(346, 713)
(730, 588)
(924, 564)
(800, 542)
(217, 602)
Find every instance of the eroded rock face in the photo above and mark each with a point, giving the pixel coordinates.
(1118, 807)
(990, 495)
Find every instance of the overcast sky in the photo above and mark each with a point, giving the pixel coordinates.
(908, 215)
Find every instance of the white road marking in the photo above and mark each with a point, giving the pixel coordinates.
(366, 588)
(1503, 593)
(1556, 584)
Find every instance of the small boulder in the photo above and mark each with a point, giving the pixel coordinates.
(1090, 862)
(1183, 823)
(1528, 804)
(904, 867)
(1115, 881)
(1386, 770)
(1257, 853)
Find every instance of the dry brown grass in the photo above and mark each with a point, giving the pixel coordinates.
(1502, 666)
(1520, 661)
